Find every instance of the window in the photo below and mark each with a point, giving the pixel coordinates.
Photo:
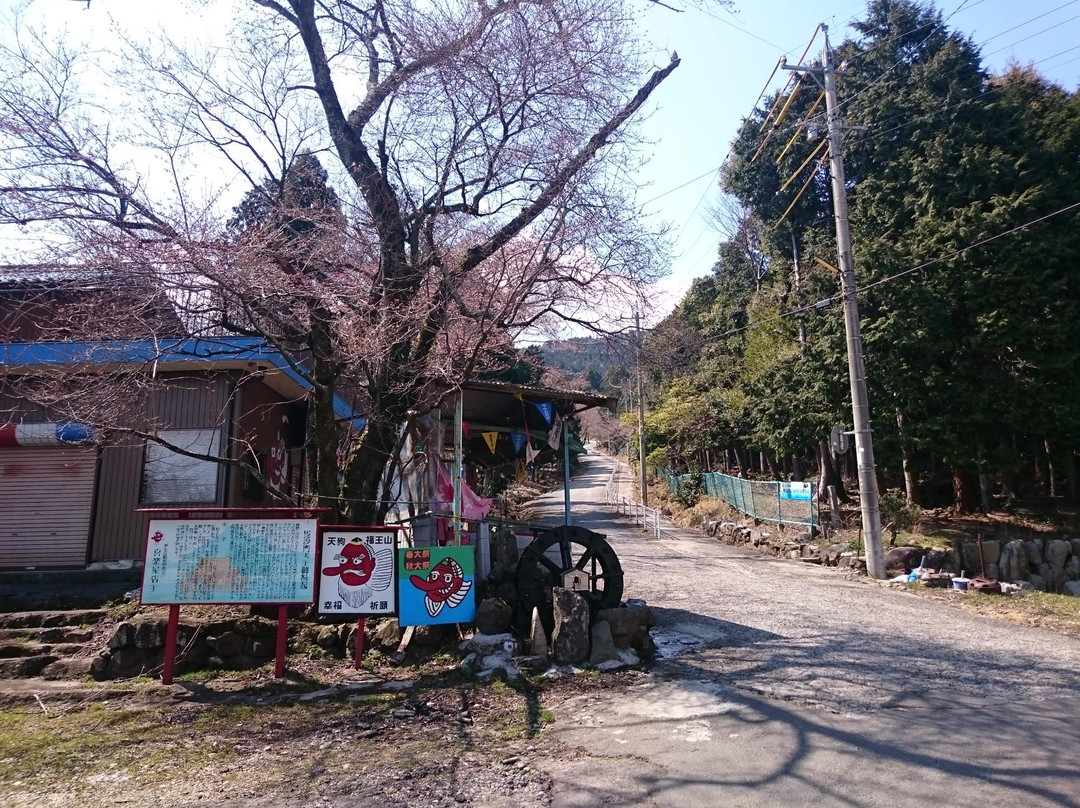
(170, 477)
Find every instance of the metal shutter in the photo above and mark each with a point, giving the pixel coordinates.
(46, 497)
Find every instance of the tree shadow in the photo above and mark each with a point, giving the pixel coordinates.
(835, 726)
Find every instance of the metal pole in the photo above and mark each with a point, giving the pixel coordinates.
(860, 406)
(459, 461)
(566, 472)
(641, 413)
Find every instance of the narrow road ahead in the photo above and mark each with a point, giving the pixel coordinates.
(787, 684)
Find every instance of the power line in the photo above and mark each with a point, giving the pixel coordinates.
(822, 304)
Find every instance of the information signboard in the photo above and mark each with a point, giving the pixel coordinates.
(795, 491)
(435, 585)
(192, 561)
(358, 571)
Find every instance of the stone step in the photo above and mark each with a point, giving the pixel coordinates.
(53, 619)
(25, 667)
(62, 634)
(68, 668)
(28, 648)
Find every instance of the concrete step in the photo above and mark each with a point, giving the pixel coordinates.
(52, 619)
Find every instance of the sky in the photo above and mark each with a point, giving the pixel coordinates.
(726, 59)
(727, 56)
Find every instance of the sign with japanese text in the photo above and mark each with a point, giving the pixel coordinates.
(435, 585)
(358, 569)
(190, 561)
(795, 491)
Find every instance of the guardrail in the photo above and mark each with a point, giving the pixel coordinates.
(648, 518)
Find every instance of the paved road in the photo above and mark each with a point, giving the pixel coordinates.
(788, 684)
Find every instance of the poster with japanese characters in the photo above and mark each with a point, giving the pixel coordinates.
(358, 571)
(435, 585)
(191, 561)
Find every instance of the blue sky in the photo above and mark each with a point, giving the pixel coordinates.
(727, 56)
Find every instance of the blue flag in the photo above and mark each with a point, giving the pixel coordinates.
(519, 440)
(545, 409)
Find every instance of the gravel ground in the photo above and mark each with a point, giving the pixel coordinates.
(803, 632)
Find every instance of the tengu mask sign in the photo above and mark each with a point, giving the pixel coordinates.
(436, 585)
(357, 571)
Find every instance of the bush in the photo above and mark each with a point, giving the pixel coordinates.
(690, 489)
(899, 514)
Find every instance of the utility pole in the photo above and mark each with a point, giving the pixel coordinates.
(860, 406)
(641, 412)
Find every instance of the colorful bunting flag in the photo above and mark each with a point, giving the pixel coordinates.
(490, 438)
(530, 453)
(518, 438)
(555, 434)
(545, 408)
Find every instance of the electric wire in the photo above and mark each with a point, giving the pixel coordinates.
(821, 304)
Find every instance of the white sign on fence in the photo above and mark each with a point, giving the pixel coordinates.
(795, 491)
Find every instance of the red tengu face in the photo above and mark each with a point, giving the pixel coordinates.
(442, 582)
(356, 564)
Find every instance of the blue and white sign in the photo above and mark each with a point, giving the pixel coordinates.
(801, 491)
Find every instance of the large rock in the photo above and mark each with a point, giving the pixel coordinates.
(623, 624)
(230, 643)
(642, 612)
(123, 635)
(991, 551)
(1075, 546)
(493, 616)
(1037, 581)
(1058, 552)
(538, 639)
(1054, 576)
(644, 643)
(603, 646)
(903, 559)
(1072, 568)
(570, 638)
(387, 634)
(1072, 588)
(1014, 561)
(504, 549)
(150, 633)
(1035, 555)
(993, 571)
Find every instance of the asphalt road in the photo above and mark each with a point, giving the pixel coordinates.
(787, 684)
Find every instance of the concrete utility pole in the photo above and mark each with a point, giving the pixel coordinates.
(860, 406)
(641, 412)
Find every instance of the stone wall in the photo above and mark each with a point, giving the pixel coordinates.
(1049, 565)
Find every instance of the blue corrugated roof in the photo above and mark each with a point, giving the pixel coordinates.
(146, 351)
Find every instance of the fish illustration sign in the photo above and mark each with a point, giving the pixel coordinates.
(357, 571)
(436, 585)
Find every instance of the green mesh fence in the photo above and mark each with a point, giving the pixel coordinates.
(773, 501)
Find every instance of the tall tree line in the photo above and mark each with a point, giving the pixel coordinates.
(970, 330)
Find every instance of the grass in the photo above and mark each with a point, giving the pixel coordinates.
(1041, 609)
